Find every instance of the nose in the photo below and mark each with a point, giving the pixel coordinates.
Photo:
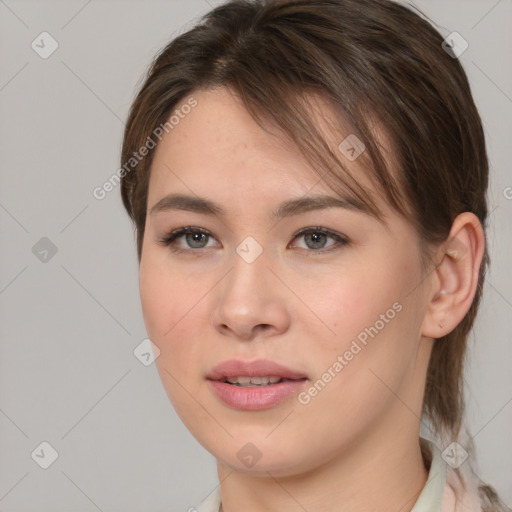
(251, 302)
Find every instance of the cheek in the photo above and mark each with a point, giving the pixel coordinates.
(166, 291)
(156, 300)
(172, 312)
(168, 301)
(370, 305)
(175, 310)
(350, 301)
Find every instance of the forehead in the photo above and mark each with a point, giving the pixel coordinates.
(219, 148)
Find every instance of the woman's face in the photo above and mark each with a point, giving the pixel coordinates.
(330, 294)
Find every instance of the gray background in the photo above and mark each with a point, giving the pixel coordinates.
(69, 325)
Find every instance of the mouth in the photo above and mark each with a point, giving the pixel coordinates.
(247, 382)
(256, 373)
(254, 385)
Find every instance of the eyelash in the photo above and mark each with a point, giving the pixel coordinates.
(168, 239)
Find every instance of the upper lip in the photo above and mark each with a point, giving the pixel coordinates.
(257, 368)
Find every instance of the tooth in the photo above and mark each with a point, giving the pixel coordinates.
(259, 380)
(253, 381)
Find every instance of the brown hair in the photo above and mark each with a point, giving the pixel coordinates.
(371, 60)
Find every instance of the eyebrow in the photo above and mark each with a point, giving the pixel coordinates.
(286, 209)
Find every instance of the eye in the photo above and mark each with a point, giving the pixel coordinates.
(195, 238)
(316, 239)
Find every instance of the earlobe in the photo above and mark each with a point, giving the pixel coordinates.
(455, 279)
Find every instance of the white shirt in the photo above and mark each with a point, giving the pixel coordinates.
(442, 492)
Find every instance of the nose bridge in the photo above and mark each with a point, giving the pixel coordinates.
(247, 298)
(247, 279)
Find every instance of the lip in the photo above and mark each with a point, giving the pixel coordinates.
(257, 368)
(252, 398)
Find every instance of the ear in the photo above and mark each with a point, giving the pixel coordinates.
(455, 280)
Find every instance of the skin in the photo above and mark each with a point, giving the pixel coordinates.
(203, 306)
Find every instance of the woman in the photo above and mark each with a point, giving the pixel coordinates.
(307, 180)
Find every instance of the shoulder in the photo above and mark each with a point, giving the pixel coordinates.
(456, 489)
(465, 492)
(460, 493)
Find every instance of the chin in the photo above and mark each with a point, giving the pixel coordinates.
(258, 455)
(281, 466)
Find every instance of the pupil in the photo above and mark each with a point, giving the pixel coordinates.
(196, 238)
(316, 239)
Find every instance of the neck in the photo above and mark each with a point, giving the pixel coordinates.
(376, 476)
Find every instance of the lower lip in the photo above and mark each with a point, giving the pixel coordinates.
(253, 398)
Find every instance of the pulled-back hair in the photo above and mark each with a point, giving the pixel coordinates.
(371, 60)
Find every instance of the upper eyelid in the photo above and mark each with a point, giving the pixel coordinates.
(185, 229)
(320, 229)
